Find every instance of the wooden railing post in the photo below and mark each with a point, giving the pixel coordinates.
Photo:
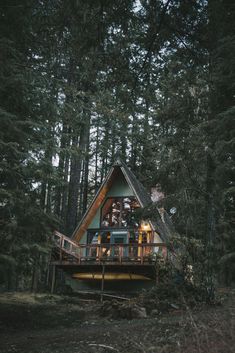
(141, 254)
(99, 252)
(139, 247)
(120, 253)
(61, 245)
(89, 251)
(79, 255)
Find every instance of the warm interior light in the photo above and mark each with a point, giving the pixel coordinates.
(145, 226)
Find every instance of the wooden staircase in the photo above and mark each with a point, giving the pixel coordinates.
(67, 248)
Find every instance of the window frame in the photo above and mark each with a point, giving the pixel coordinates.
(121, 210)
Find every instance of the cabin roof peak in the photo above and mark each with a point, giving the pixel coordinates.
(117, 163)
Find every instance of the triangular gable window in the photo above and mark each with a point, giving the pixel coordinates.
(119, 212)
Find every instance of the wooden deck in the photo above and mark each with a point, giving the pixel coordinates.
(102, 262)
(69, 253)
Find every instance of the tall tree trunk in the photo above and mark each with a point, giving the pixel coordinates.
(75, 177)
(86, 170)
(113, 140)
(213, 7)
(61, 170)
(133, 156)
(45, 196)
(64, 200)
(124, 137)
(96, 158)
(35, 274)
(49, 198)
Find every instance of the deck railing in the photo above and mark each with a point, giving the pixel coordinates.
(139, 252)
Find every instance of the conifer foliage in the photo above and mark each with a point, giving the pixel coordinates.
(81, 82)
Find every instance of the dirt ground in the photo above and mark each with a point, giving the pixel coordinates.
(46, 324)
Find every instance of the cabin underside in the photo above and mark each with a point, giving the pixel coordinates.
(105, 277)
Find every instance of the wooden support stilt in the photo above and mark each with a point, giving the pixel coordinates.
(48, 272)
(102, 284)
(53, 279)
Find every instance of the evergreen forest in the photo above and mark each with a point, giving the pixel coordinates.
(83, 82)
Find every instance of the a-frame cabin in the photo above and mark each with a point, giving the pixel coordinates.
(110, 243)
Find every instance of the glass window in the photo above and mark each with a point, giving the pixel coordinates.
(118, 212)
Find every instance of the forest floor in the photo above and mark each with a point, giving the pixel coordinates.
(52, 324)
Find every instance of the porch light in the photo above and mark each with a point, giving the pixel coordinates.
(145, 226)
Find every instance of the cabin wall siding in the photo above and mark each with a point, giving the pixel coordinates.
(83, 239)
(95, 223)
(157, 238)
(120, 188)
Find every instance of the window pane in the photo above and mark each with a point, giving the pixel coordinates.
(119, 212)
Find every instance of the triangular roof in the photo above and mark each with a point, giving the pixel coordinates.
(158, 223)
(139, 190)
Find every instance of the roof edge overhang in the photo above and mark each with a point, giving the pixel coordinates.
(131, 186)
